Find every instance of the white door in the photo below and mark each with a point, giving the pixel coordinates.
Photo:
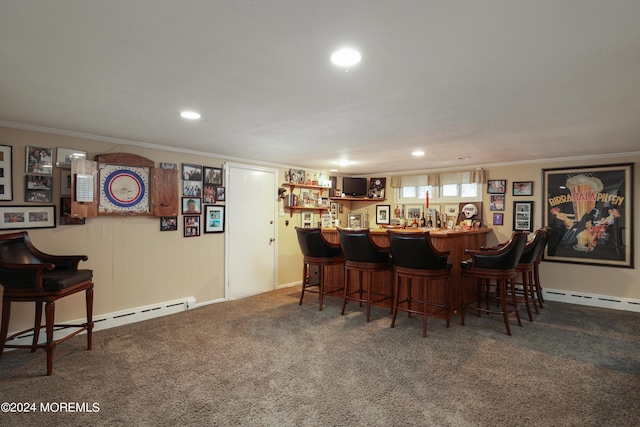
(250, 245)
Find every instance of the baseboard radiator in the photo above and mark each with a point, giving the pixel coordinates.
(119, 318)
(593, 300)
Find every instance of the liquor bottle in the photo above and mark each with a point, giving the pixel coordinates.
(422, 221)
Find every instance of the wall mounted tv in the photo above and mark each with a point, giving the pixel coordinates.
(354, 187)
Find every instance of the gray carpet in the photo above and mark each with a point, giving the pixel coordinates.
(265, 361)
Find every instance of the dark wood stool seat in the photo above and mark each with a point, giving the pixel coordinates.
(317, 251)
(366, 258)
(415, 259)
(28, 275)
(495, 268)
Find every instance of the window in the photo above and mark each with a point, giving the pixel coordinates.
(446, 193)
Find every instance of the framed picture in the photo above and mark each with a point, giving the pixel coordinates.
(219, 194)
(451, 211)
(590, 212)
(65, 155)
(383, 214)
(6, 172)
(191, 225)
(376, 188)
(212, 176)
(39, 160)
(498, 219)
(306, 219)
(38, 188)
(496, 202)
(191, 172)
(214, 219)
(496, 186)
(209, 194)
(523, 188)
(326, 220)
(523, 216)
(355, 221)
(65, 182)
(172, 166)
(169, 223)
(413, 212)
(191, 205)
(20, 217)
(192, 188)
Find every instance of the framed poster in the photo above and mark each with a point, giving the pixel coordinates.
(590, 212)
(214, 219)
(6, 173)
(21, 217)
(522, 216)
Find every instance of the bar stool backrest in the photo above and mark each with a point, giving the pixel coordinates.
(415, 250)
(534, 248)
(357, 246)
(505, 258)
(313, 244)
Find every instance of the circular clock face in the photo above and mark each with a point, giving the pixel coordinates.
(124, 188)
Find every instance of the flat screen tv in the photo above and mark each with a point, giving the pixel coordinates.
(354, 187)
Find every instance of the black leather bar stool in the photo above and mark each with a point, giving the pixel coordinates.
(494, 267)
(415, 259)
(366, 258)
(319, 252)
(526, 289)
(536, 266)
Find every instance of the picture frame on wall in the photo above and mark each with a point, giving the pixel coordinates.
(65, 182)
(383, 214)
(590, 212)
(38, 188)
(191, 225)
(64, 156)
(214, 219)
(169, 223)
(523, 188)
(413, 212)
(306, 219)
(191, 172)
(6, 173)
(220, 192)
(191, 205)
(498, 219)
(522, 216)
(21, 217)
(496, 202)
(212, 176)
(376, 188)
(39, 160)
(496, 186)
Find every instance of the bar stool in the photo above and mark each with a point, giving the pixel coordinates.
(494, 265)
(366, 258)
(536, 266)
(525, 267)
(415, 258)
(319, 252)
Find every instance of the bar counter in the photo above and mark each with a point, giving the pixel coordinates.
(453, 240)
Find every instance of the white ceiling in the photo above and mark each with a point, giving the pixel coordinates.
(497, 80)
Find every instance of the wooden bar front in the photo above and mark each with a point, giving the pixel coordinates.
(454, 241)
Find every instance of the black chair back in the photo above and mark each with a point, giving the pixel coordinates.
(357, 246)
(534, 248)
(415, 250)
(313, 244)
(505, 258)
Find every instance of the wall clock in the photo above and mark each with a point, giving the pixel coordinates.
(123, 189)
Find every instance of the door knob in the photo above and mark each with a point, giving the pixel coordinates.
(271, 240)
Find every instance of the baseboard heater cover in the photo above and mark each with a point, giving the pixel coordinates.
(118, 318)
(593, 300)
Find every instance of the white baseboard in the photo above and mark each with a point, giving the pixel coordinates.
(593, 300)
(289, 285)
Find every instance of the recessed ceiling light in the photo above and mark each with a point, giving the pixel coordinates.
(343, 162)
(464, 157)
(346, 57)
(191, 115)
(333, 170)
(418, 153)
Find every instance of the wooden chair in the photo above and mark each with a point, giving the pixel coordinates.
(321, 253)
(497, 268)
(526, 290)
(366, 258)
(29, 275)
(415, 259)
(536, 266)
